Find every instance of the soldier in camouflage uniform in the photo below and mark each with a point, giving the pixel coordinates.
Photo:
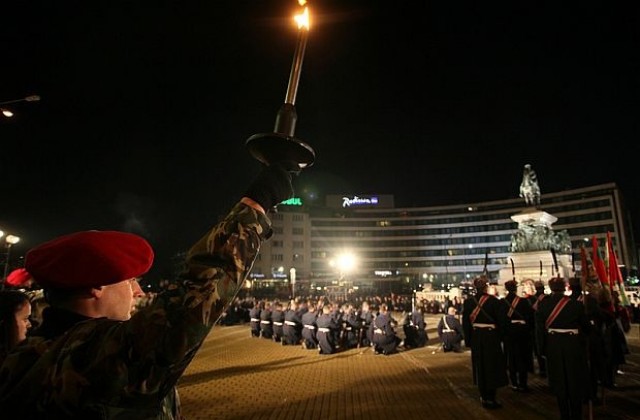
(91, 358)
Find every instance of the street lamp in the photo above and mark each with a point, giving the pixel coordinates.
(10, 240)
(8, 113)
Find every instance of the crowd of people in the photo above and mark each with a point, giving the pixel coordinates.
(329, 326)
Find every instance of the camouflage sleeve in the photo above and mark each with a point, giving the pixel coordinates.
(216, 267)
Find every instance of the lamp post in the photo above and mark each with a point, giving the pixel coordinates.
(10, 240)
(8, 113)
(292, 275)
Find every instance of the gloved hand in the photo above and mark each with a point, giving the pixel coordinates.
(271, 186)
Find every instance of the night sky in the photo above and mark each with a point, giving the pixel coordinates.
(146, 106)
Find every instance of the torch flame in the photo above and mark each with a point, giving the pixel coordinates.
(303, 19)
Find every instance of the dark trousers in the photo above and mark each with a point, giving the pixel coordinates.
(570, 409)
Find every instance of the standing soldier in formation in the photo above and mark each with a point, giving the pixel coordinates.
(535, 302)
(518, 337)
(595, 342)
(484, 322)
(561, 327)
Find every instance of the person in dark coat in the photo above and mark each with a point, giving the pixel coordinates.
(325, 332)
(366, 319)
(385, 340)
(277, 320)
(450, 331)
(518, 343)
(535, 301)
(292, 328)
(414, 328)
(561, 328)
(590, 299)
(484, 321)
(309, 340)
(350, 327)
(254, 319)
(266, 327)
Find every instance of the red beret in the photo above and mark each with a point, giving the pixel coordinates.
(18, 277)
(89, 259)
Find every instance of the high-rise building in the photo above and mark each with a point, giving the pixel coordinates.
(403, 249)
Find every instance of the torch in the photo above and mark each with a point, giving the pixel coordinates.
(282, 145)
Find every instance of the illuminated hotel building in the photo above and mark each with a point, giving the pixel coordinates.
(400, 249)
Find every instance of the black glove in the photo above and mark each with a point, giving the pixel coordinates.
(271, 186)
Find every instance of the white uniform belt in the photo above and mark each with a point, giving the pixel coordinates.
(324, 330)
(448, 331)
(562, 331)
(293, 324)
(478, 325)
(311, 327)
(348, 329)
(265, 322)
(518, 321)
(378, 331)
(277, 323)
(255, 320)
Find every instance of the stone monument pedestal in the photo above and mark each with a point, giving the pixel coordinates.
(531, 249)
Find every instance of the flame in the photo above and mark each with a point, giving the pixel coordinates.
(302, 2)
(303, 19)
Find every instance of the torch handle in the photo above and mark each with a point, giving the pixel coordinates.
(296, 67)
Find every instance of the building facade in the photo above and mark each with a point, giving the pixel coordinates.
(404, 249)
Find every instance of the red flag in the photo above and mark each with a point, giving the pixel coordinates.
(598, 263)
(615, 275)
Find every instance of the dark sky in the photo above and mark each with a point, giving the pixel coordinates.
(146, 106)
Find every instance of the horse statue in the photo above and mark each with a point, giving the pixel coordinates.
(529, 188)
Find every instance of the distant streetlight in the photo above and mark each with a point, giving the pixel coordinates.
(8, 113)
(292, 274)
(10, 240)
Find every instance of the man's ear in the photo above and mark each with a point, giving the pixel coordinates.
(96, 292)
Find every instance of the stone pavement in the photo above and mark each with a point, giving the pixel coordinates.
(234, 376)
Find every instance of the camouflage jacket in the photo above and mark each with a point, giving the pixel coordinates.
(102, 369)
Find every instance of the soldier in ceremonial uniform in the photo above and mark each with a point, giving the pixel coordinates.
(292, 327)
(325, 333)
(561, 327)
(385, 340)
(277, 320)
(518, 343)
(450, 331)
(309, 340)
(535, 302)
(254, 318)
(91, 358)
(414, 328)
(366, 319)
(266, 327)
(484, 321)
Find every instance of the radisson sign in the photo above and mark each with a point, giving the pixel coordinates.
(351, 201)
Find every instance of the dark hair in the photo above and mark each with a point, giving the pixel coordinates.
(11, 301)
